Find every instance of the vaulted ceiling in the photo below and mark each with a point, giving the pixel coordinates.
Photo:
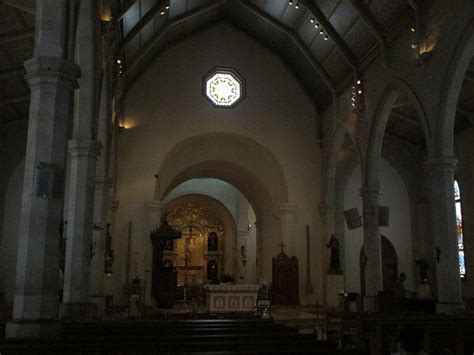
(324, 42)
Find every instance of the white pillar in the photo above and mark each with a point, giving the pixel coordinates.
(440, 182)
(287, 215)
(52, 81)
(372, 247)
(83, 154)
(154, 210)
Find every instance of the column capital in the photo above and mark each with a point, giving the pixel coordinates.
(286, 208)
(53, 70)
(81, 147)
(154, 205)
(447, 164)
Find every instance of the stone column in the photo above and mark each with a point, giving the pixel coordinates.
(287, 215)
(99, 236)
(52, 81)
(372, 247)
(154, 210)
(82, 160)
(440, 183)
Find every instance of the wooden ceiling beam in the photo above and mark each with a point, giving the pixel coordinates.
(13, 100)
(296, 40)
(373, 26)
(332, 33)
(156, 37)
(159, 5)
(16, 36)
(128, 4)
(12, 73)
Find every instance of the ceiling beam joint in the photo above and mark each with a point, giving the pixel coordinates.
(142, 23)
(332, 33)
(374, 27)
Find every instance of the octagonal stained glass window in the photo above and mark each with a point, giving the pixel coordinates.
(224, 87)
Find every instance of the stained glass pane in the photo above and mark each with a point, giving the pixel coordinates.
(462, 265)
(223, 89)
(457, 195)
(459, 229)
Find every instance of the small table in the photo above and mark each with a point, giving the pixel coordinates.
(232, 298)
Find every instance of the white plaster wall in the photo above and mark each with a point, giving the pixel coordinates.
(394, 195)
(223, 192)
(166, 106)
(11, 229)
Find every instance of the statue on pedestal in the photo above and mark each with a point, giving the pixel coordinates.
(335, 263)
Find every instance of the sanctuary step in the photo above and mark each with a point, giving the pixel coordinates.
(179, 336)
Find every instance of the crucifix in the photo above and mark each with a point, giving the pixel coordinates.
(188, 235)
(281, 245)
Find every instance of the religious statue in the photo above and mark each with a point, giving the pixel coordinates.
(423, 267)
(212, 242)
(335, 263)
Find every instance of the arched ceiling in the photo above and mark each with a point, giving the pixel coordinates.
(323, 62)
(357, 30)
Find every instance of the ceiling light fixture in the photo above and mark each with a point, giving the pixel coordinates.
(326, 37)
(316, 26)
(312, 20)
(321, 32)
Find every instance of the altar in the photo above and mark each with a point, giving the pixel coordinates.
(231, 298)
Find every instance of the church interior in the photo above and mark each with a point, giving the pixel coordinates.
(237, 176)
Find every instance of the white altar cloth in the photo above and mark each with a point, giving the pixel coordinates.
(232, 298)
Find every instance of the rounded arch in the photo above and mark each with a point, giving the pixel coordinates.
(394, 89)
(241, 162)
(238, 160)
(458, 65)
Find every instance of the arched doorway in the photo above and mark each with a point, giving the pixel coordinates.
(389, 266)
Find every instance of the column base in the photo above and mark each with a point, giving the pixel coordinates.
(370, 304)
(77, 311)
(32, 329)
(449, 308)
(335, 286)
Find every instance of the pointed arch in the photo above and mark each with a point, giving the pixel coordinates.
(463, 54)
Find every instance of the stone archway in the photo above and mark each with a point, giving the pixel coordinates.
(246, 165)
(392, 92)
(444, 139)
